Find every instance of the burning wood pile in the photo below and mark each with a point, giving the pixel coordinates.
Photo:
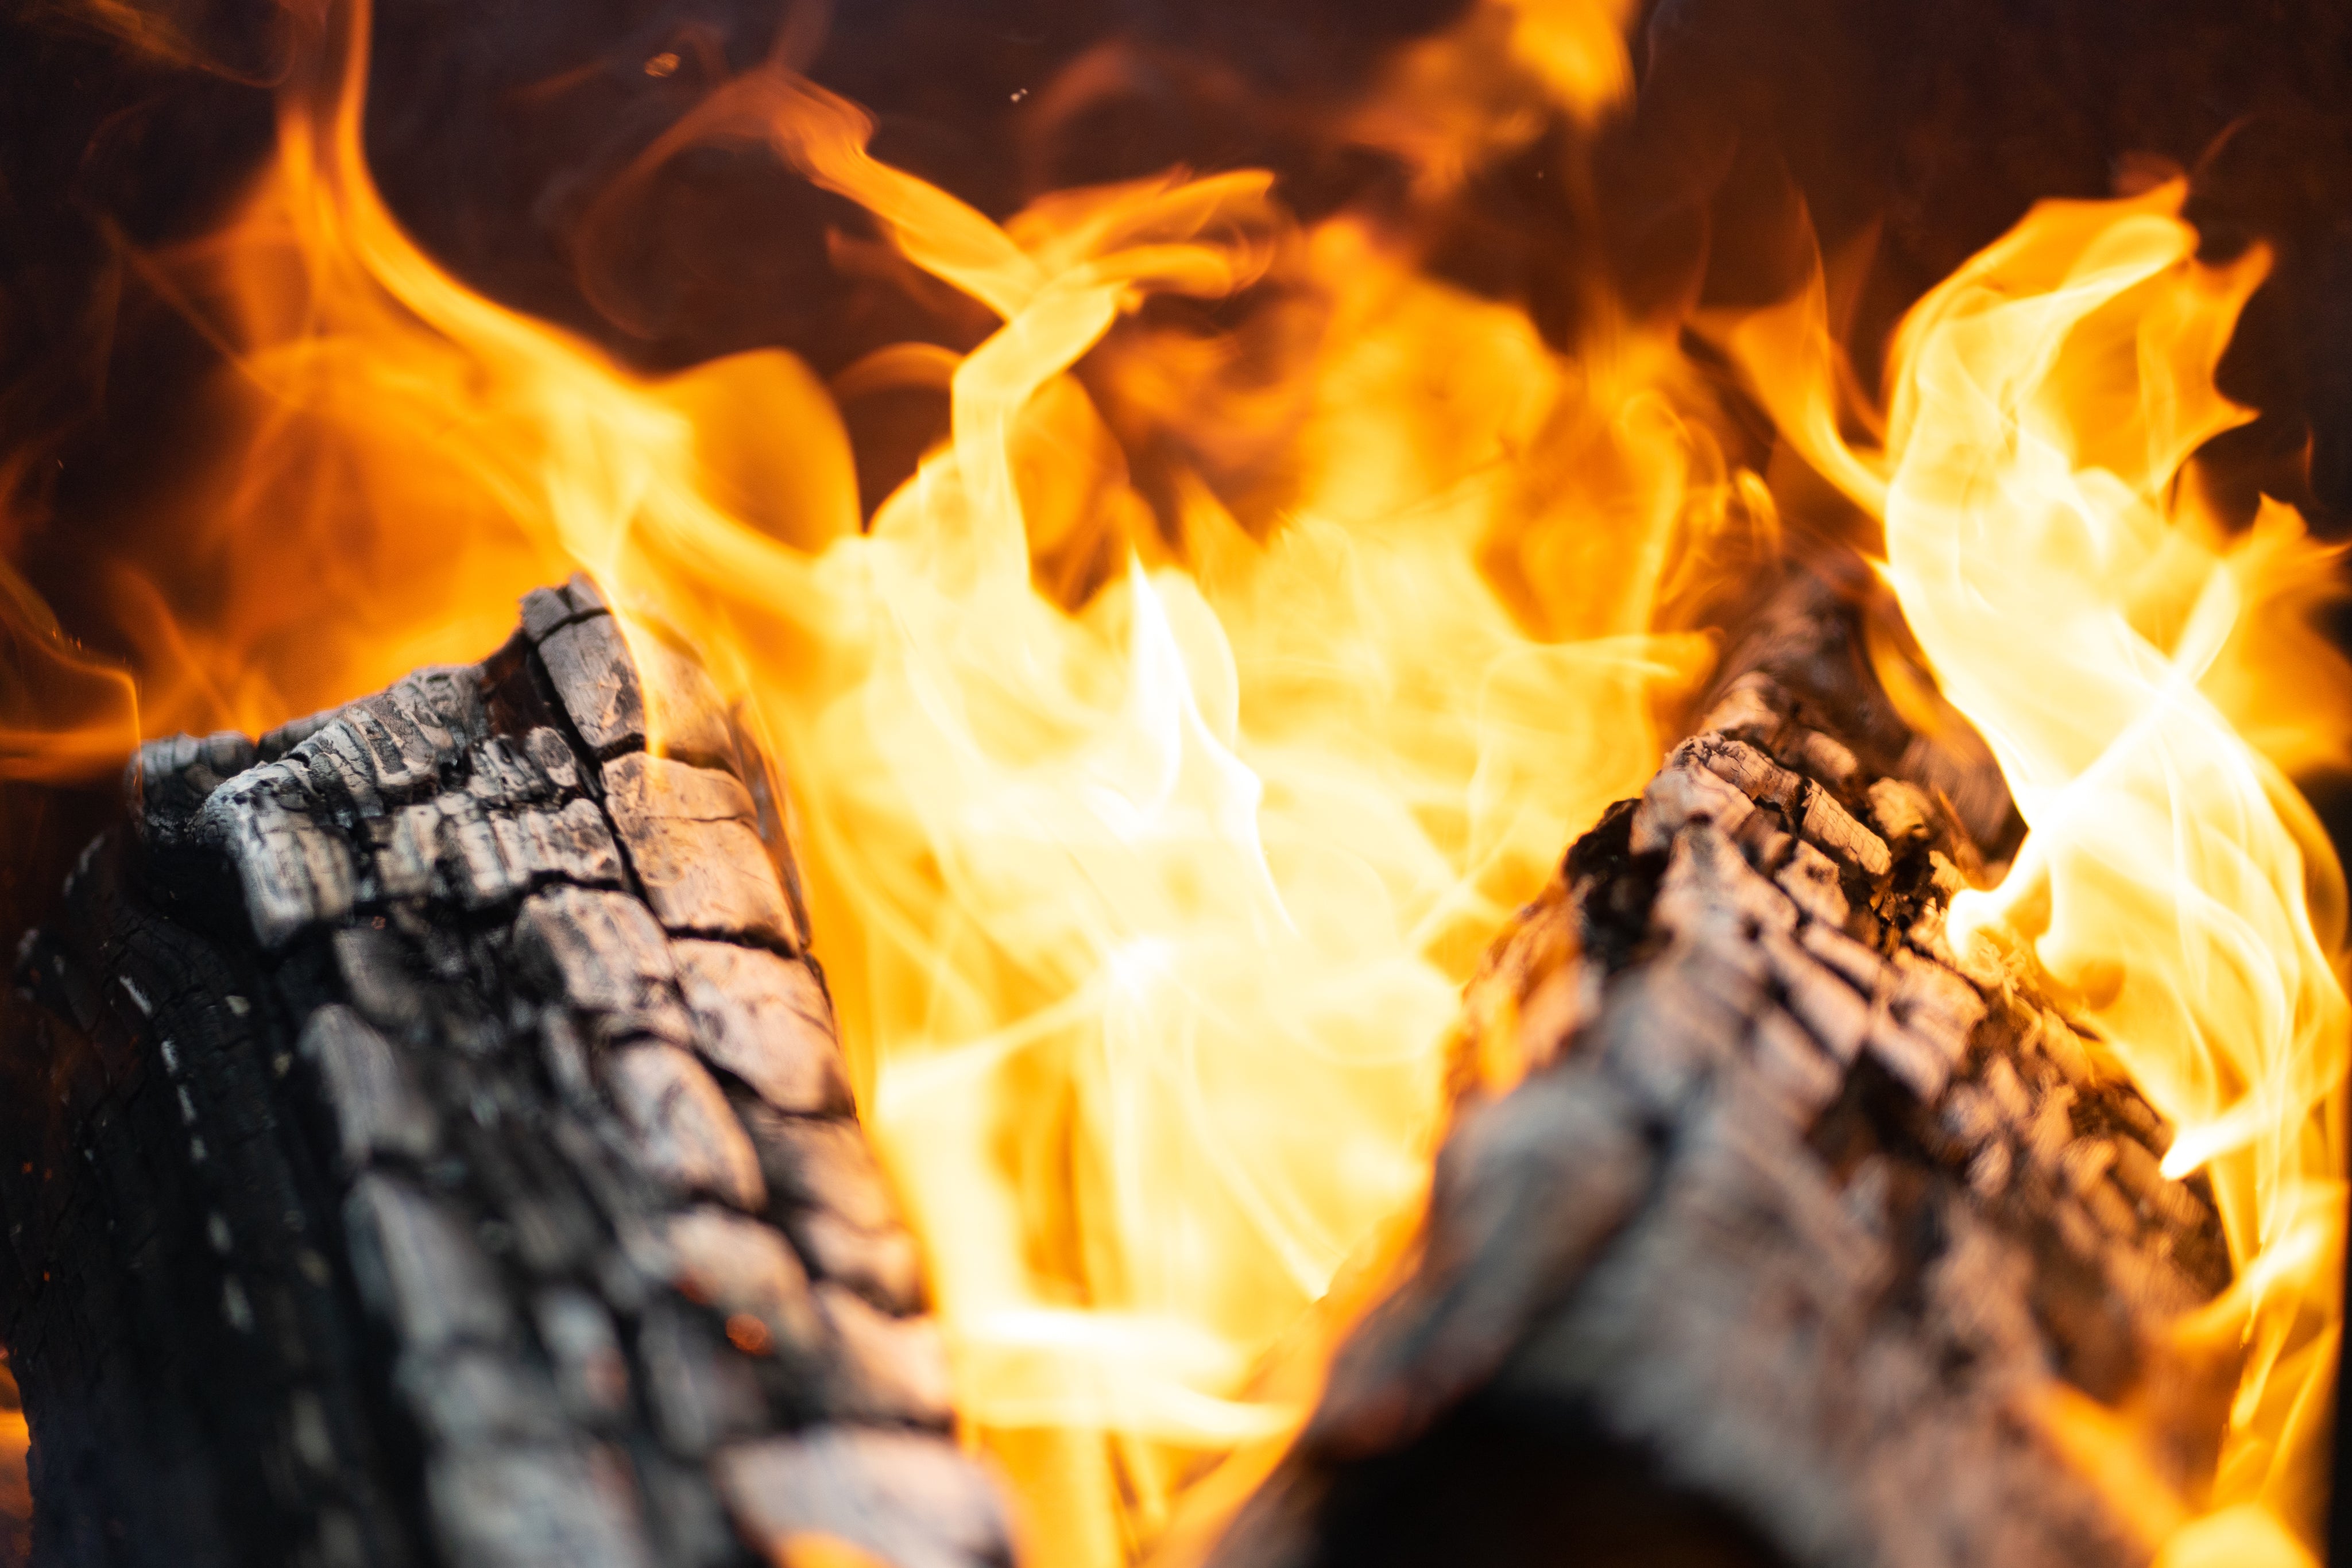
(1180, 879)
(460, 1005)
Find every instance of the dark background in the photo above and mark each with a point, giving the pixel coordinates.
(1922, 128)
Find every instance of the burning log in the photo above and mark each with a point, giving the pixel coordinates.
(432, 1146)
(1803, 1240)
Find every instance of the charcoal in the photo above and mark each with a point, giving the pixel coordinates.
(867, 1489)
(1791, 1218)
(412, 1058)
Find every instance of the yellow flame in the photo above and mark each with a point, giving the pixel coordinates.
(1151, 834)
(2118, 646)
(1148, 840)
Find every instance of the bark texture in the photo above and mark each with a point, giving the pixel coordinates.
(432, 1147)
(1797, 1230)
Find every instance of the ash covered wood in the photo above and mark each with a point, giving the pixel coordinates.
(433, 1147)
(1796, 1230)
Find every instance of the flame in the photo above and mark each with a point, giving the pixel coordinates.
(1168, 745)
(63, 710)
(1149, 840)
(2143, 673)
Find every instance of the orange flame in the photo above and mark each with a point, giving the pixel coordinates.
(2119, 647)
(1151, 837)
(1148, 849)
(64, 712)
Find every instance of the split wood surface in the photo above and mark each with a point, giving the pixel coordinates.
(1795, 1233)
(433, 1147)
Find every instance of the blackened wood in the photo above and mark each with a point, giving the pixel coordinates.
(1794, 1226)
(432, 1149)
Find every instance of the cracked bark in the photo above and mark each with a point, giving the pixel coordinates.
(1793, 1227)
(433, 1147)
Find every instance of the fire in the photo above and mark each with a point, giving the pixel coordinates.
(2086, 604)
(1153, 821)
(1148, 847)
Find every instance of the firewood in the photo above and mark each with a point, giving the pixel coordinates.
(432, 1146)
(1794, 1229)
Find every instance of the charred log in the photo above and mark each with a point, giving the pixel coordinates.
(1797, 1229)
(432, 1146)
